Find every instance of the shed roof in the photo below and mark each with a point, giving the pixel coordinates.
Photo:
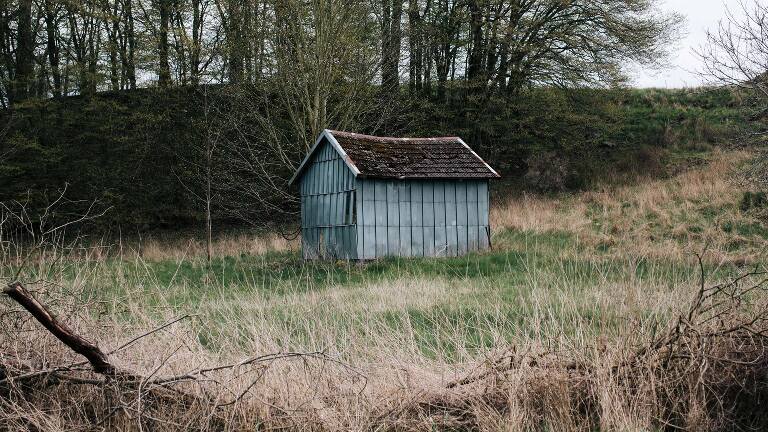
(404, 158)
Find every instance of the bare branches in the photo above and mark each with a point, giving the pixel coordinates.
(736, 52)
(706, 370)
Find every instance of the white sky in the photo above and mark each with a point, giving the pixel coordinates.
(700, 15)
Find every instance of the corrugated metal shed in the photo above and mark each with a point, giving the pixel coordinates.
(366, 197)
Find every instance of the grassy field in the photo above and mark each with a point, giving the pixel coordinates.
(580, 275)
(573, 265)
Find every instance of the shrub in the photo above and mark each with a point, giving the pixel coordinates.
(753, 200)
(548, 172)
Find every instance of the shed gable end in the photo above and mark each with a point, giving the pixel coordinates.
(328, 216)
(325, 172)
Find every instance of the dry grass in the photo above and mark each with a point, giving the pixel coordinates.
(561, 341)
(661, 219)
(372, 377)
(154, 249)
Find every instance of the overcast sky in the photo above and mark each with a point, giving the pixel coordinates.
(700, 16)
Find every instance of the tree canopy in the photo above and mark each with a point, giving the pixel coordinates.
(65, 47)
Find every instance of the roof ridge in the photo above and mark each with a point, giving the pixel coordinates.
(334, 132)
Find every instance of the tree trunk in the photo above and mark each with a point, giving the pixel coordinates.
(194, 57)
(395, 41)
(386, 44)
(24, 52)
(130, 35)
(413, 32)
(164, 72)
(208, 197)
(52, 47)
(94, 42)
(114, 69)
(475, 60)
(235, 42)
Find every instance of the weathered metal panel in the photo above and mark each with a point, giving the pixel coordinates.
(360, 239)
(439, 191)
(393, 214)
(417, 241)
(428, 192)
(404, 191)
(369, 242)
(472, 239)
(351, 242)
(472, 191)
(483, 232)
(368, 190)
(392, 191)
(482, 206)
(379, 190)
(441, 241)
(328, 207)
(428, 214)
(461, 191)
(406, 243)
(451, 240)
(334, 209)
(417, 216)
(450, 208)
(380, 213)
(393, 240)
(348, 218)
(369, 213)
(381, 241)
(331, 248)
(461, 234)
(472, 209)
(405, 213)
(416, 191)
(429, 240)
(439, 213)
(461, 213)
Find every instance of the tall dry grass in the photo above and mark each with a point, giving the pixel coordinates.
(561, 372)
(662, 219)
(557, 352)
(187, 247)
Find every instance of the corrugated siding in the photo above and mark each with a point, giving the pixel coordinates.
(327, 190)
(421, 217)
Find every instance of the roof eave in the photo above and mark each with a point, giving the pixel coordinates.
(495, 174)
(335, 144)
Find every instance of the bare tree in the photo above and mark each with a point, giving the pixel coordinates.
(323, 64)
(736, 56)
(736, 52)
(201, 164)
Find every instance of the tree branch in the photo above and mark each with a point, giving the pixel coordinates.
(91, 352)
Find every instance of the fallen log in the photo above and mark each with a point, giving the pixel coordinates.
(95, 356)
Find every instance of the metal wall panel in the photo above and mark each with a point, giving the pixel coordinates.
(404, 208)
(420, 217)
(406, 243)
(429, 240)
(369, 233)
(327, 190)
(380, 241)
(393, 240)
(417, 241)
